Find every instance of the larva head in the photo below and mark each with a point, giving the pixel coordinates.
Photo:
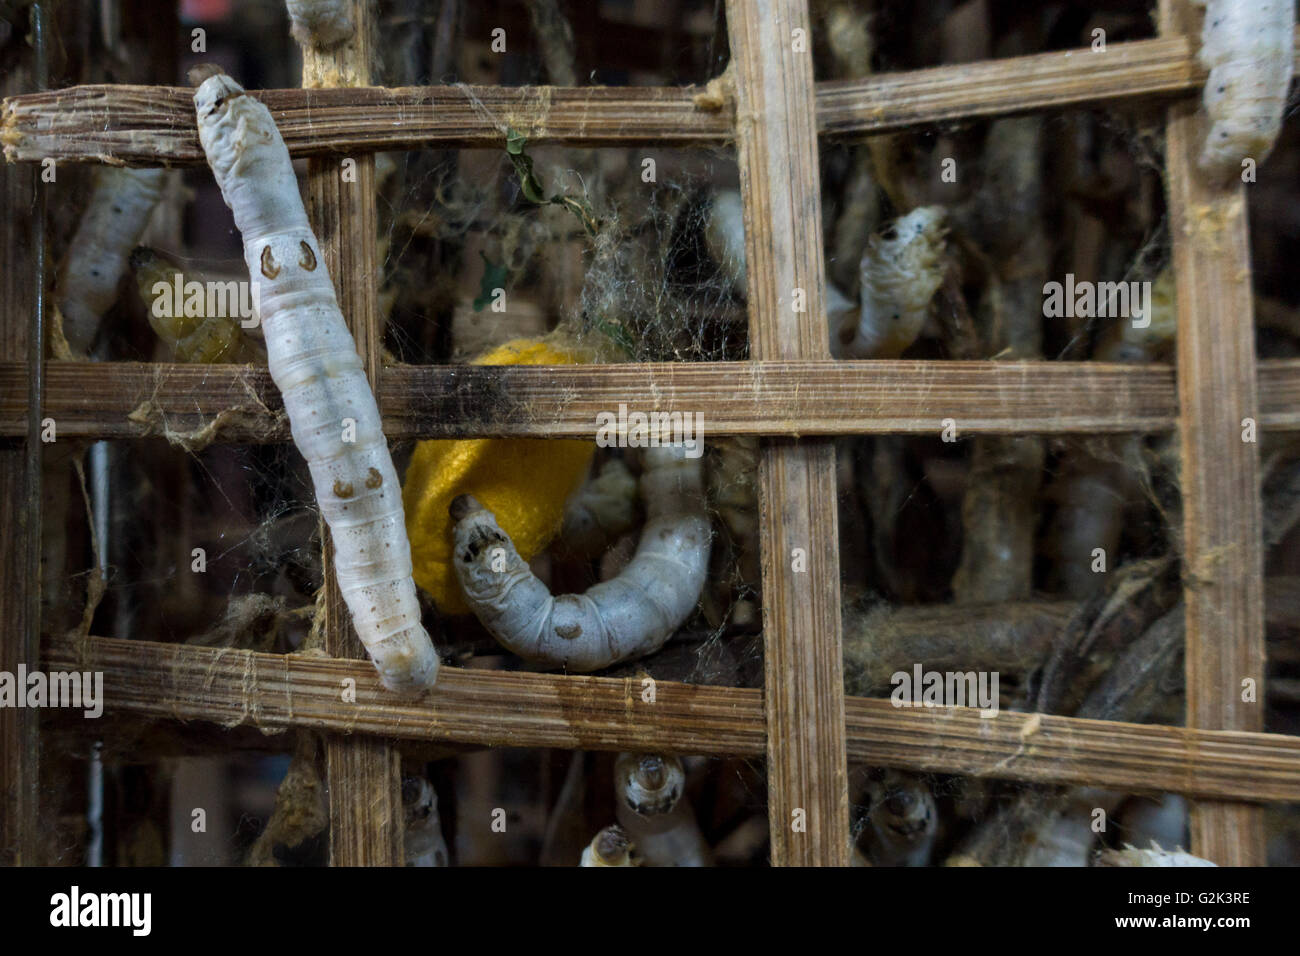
(481, 551)
(901, 270)
(419, 800)
(903, 809)
(610, 847)
(249, 160)
(649, 784)
(913, 242)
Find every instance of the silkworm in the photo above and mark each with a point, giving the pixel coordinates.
(1248, 47)
(600, 511)
(423, 842)
(1149, 340)
(900, 273)
(1161, 820)
(313, 361)
(610, 847)
(208, 337)
(320, 23)
(724, 237)
(119, 210)
(903, 821)
(629, 616)
(648, 792)
(1130, 856)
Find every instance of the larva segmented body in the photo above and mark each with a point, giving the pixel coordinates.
(629, 616)
(600, 510)
(119, 210)
(313, 361)
(320, 23)
(652, 811)
(1156, 856)
(1248, 47)
(205, 339)
(901, 271)
(423, 841)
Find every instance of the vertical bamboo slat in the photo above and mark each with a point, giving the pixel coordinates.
(1223, 556)
(363, 774)
(21, 272)
(771, 44)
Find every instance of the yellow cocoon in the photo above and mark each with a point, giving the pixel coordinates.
(523, 481)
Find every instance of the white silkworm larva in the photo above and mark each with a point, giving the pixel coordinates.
(119, 210)
(1151, 340)
(423, 840)
(1129, 856)
(1248, 46)
(648, 792)
(313, 361)
(320, 23)
(1161, 820)
(1064, 834)
(610, 847)
(903, 821)
(601, 510)
(632, 615)
(901, 271)
(724, 236)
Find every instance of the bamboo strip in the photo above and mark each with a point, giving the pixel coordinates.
(362, 776)
(807, 775)
(141, 125)
(21, 273)
(1223, 554)
(778, 398)
(520, 709)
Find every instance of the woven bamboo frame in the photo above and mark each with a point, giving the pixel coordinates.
(789, 392)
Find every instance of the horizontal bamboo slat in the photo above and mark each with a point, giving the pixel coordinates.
(519, 709)
(140, 125)
(154, 125)
(887, 102)
(777, 398)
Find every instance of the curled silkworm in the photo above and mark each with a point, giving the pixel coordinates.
(600, 510)
(902, 822)
(1130, 856)
(313, 361)
(610, 847)
(423, 841)
(320, 23)
(1248, 47)
(119, 210)
(900, 272)
(632, 615)
(206, 332)
(648, 791)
